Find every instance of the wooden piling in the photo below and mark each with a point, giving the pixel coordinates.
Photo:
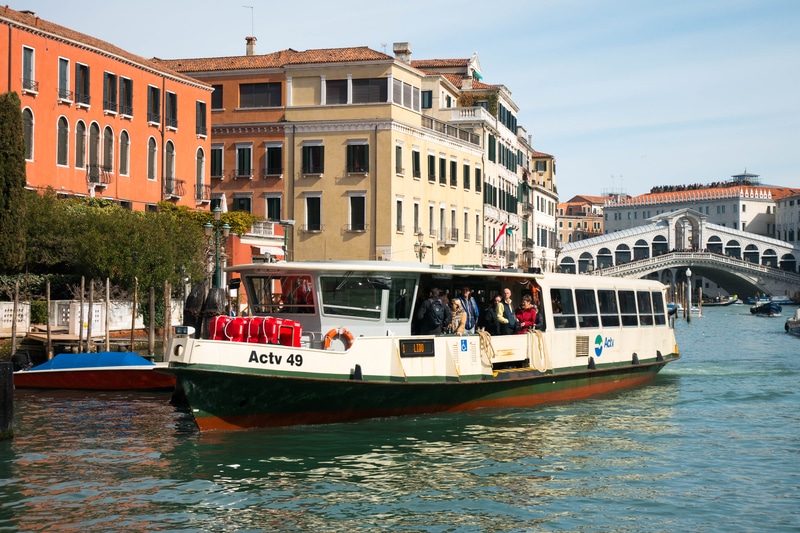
(6, 400)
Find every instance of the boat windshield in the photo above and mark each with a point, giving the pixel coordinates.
(281, 294)
(360, 294)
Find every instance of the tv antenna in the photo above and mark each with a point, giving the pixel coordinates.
(252, 30)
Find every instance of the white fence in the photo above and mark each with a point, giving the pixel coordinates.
(65, 317)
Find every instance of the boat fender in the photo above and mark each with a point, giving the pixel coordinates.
(357, 375)
(592, 365)
(659, 357)
(786, 326)
(338, 332)
(635, 360)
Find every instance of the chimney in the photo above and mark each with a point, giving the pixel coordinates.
(251, 45)
(466, 83)
(402, 52)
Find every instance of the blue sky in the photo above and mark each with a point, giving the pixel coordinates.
(626, 94)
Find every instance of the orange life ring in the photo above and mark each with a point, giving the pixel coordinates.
(338, 332)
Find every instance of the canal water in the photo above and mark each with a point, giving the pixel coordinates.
(713, 445)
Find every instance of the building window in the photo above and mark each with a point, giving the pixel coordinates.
(416, 165)
(335, 92)
(109, 92)
(357, 158)
(466, 176)
(200, 120)
(259, 95)
(82, 84)
(151, 159)
(80, 145)
(169, 166)
(200, 175)
(398, 160)
(273, 207)
(244, 160)
(478, 179)
(153, 104)
(124, 153)
(313, 213)
(94, 152)
(431, 168)
(417, 227)
(28, 70)
(108, 150)
(64, 92)
(171, 110)
(313, 159)
(399, 216)
(242, 203)
(216, 160)
(27, 129)
(358, 212)
(274, 159)
(216, 97)
(442, 171)
(427, 99)
(126, 97)
(63, 142)
(454, 173)
(370, 91)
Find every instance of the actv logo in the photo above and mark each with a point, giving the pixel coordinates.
(600, 343)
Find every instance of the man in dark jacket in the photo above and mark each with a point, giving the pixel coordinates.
(432, 316)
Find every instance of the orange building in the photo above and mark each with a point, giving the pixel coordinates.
(102, 122)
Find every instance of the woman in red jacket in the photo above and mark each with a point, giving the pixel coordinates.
(526, 314)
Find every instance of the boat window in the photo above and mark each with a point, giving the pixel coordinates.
(353, 294)
(587, 308)
(645, 308)
(401, 299)
(658, 308)
(563, 308)
(627, 307)
(280, 294)
(609, 312)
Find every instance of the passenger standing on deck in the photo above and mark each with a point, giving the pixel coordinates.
(459, 320)
(471, 309)
(433, 315)
(526, 314)
(505, 314)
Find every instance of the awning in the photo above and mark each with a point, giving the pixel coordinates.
(273, 251)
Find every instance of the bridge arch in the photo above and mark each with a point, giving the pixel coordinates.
(622, 254)
(660, 245)
(641, 250)
(751, 253)
(788, 263)
(769, 258)
(604, 258)
(714, 244)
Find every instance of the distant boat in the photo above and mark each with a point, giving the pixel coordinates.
(755, 300)
(782, 300)
(766, 309)
(95, 371)
(719, 301)
(793, 324)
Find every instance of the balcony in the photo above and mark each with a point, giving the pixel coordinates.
(527, 244)
(470, 115)
(263, 228)
(450, 131)
(447, 237)
(173, 189)
(65, 95)
(273, 172)
(242, 173)
(30, 86)
(202, 193)
(98, 175)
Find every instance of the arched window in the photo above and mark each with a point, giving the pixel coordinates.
(80, 145)
(169, 164)
(200, 166)
(124, 153)
(108, 149)
(94, 153)
(27, 125)
(151, 159)
(63, 142)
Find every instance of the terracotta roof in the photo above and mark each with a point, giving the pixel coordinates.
(707, 193)
(542, 154)
(37, 24)
(279, 59)
(424, 64)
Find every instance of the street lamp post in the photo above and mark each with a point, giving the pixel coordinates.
(420, 248)
(688, 295)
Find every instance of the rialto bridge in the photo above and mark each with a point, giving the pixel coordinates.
(735, 261)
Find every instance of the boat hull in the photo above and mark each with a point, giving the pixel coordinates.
(230, 400)
(104, 371)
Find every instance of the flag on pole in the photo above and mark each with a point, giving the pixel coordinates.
(499, 236)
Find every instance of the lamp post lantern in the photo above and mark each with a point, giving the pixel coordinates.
(286, 225)
(420, 248)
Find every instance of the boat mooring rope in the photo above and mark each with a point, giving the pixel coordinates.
(486, 346)
(538, 351)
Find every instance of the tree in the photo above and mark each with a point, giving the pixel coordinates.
(12, 183)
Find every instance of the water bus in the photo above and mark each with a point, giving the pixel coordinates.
(332, 341)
